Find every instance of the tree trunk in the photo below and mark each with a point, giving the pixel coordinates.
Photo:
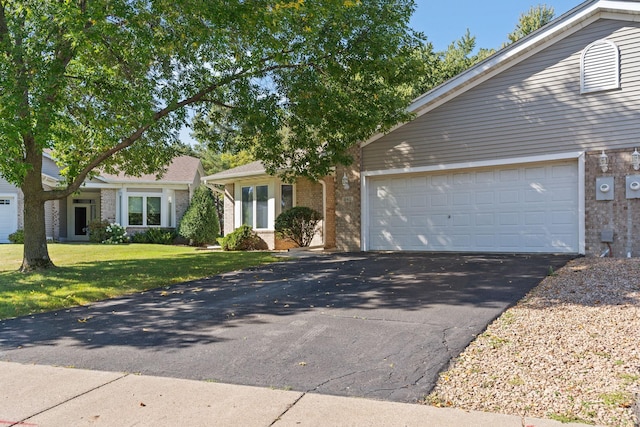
(36, 253)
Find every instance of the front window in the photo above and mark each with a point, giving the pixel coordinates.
(286, 197)
(153, 210)
(135, 210)
(255, 206)
(145, 211)
(262, 206)
(247, 206)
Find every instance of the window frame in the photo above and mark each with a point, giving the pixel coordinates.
(164, 206)
(241, 203)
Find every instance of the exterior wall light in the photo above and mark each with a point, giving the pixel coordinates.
(635, 159)
(345, 181)
(603, 162)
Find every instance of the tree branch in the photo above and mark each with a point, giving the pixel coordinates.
(159, 115)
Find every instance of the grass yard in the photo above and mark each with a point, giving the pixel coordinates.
(92, 272)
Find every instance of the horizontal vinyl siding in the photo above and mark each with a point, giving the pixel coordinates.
(5, 187)
(533, 108)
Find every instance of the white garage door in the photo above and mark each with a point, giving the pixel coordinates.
(8, 217)
(520, 208)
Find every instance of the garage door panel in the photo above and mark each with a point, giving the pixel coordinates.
(509, 196)
(528, 208)
(486, 219)
(438, 200)
(484, 198)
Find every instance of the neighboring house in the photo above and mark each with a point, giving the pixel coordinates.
(504, 157)
(254, 198)
(137, 203)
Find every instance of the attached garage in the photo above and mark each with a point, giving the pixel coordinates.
(521, 208)
(8, 216)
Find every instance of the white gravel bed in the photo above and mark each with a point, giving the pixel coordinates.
(569, 350)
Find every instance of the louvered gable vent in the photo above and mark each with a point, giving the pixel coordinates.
(600, 67)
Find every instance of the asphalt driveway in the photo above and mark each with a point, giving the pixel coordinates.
(371, 325)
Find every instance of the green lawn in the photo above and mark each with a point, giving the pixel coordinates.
(91, 272)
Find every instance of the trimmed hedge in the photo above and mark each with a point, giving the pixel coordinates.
(243, 238)
(298, 224)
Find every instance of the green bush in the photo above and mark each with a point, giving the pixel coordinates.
(298, 224)
(243, 238)
(116, 234)
(17, 237)
(200, 222)
(102, 231)
(159, 236)
(98, 230)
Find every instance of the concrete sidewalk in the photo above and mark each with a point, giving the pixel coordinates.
(34, 395)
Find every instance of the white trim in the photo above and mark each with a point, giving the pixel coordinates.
(151, 184)
(364, 212)
(578, 155)
(271, 203)
(14, 202)
(581, 205)
(477, 164)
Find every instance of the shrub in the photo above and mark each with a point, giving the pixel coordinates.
(115, 234)
(98, 230)
(17, 237)
(200, 222)
(243, 238)
(102, 231)
(159, 236)
(298, 224)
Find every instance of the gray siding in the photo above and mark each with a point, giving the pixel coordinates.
(50, 168)
(533, 108)
(6, 188)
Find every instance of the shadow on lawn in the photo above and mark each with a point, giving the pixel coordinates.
(198, 312)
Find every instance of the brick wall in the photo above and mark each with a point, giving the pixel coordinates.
(108, 204)
(229, 209)
(347, 204)
(330, 212)
(621, 215)
(309, 194)
(182, 204)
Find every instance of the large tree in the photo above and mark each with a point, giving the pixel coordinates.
(536, 17)
(105, 84)
(441, 66)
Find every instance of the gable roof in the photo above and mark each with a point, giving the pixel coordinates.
(250, 169)
(561, 27)
(181, 170)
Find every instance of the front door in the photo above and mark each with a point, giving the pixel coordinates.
(81, 218)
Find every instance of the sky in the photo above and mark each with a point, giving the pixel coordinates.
(444, 21)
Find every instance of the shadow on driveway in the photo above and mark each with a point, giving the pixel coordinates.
(375, 325)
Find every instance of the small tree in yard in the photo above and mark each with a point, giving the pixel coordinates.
(200, 223)
(298, 224)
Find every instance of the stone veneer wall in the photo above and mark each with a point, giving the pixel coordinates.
(108, 204)
(347, 204)
(621, 215)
